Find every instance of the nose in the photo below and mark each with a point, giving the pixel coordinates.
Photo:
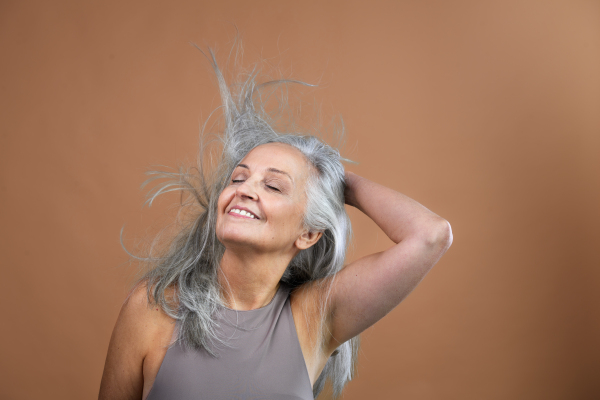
(246, 190)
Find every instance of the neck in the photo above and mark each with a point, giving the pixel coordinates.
(250, 281)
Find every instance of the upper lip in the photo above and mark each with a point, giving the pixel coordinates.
(245, 209)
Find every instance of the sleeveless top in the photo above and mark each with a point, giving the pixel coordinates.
(260, 360)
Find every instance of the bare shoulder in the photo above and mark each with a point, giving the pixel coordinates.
(140, 317)
(140, 308)
(141, 329)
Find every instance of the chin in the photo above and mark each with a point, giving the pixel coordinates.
(234, 239)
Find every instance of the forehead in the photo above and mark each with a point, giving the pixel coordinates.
(280, 156)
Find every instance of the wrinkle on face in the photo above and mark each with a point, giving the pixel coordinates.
(270, 180)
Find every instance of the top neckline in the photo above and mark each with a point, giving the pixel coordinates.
(254, 310)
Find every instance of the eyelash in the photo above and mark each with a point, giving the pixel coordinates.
(269, 186)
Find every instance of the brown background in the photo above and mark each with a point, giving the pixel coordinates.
(488, 113)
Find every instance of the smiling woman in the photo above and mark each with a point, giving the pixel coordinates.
(252, 298)
(278, 217)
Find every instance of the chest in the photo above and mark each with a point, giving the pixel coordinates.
(258, 358)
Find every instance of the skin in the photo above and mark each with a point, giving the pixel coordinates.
(270, 183)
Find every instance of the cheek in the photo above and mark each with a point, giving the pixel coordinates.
(292, 221)
(225, 198)
(222, 202)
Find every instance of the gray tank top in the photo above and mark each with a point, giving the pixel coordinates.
(263, 360)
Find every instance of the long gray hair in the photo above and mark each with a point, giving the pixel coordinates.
(190, 262)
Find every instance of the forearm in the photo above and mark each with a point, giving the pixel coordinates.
(396, 214)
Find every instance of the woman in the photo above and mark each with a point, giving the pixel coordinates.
(252, 300)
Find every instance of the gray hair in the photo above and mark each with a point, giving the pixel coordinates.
(190, 263)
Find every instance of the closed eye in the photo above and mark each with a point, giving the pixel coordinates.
(273, 188)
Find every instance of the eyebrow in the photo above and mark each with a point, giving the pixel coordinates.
(277, 171)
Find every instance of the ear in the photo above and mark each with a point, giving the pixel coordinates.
(307, 239)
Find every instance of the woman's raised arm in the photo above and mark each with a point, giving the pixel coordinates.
(367, 289)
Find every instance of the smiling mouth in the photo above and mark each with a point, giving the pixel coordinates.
(242, 213)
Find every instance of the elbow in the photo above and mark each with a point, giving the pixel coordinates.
(448, 235)
(441, 235)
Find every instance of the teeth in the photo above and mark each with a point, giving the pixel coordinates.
(244, 213)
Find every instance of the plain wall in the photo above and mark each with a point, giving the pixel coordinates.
(487, 113)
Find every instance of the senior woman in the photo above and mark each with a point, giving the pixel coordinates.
(252, 300)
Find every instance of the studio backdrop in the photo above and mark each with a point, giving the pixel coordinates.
(487, 113)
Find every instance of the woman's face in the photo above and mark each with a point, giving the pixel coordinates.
(261, 210)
